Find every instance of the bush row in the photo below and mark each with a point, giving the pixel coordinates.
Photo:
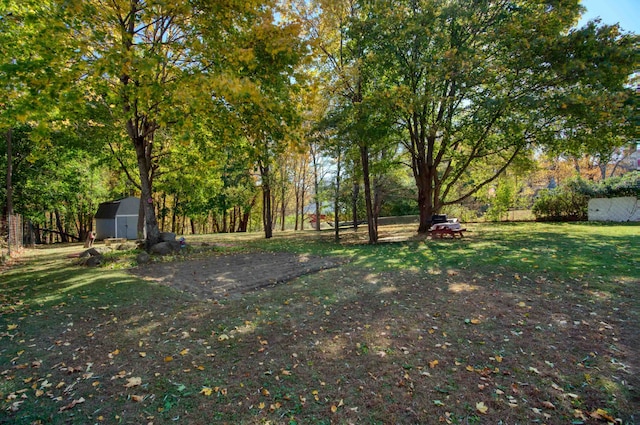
(570, 201)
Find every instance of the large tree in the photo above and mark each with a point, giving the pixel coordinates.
(155, 64)
(477, 82)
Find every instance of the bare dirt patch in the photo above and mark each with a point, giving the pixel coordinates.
(231, 275)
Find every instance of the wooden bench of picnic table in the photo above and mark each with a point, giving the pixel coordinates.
(447, 229)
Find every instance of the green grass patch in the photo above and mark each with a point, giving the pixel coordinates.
(515, 323)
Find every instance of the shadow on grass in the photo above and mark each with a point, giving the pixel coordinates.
(514, 317)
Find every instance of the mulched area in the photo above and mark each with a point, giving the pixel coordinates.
(231, 275)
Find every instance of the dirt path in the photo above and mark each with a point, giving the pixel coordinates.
(231, 275)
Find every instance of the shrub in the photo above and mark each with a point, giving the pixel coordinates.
(571, 200)
(565, 203)
(625, 185)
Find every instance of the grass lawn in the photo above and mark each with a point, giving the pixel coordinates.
(514, 324)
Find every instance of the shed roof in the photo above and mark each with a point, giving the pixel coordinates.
(111, 209)
(107, 209)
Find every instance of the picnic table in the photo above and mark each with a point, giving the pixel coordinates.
(451, 228)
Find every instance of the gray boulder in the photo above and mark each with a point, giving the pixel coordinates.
(143, 258)
(165, 248)
(127, 246)
(167, 237)
(94, 252)
(91, 252)
(93, 261)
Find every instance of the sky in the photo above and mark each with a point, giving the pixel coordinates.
(625, 12)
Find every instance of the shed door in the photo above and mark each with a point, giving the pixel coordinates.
(127, 226)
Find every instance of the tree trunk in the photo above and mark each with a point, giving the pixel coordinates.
(176, 199)
(9, 210)
(283, 209)
(378, 200)
(244, 222)
(163, 209)
(61, 232)
(232, 219)
(267, 219)
(297, 209)
(354, 203)
(336, 203)
(303, 194)
(371, 222)
(274, 207)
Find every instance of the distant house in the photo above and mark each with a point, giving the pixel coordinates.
(118, 219)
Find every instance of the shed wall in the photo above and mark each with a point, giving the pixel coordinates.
(105, 228)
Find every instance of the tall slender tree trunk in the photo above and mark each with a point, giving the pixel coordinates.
(60, 227)
(174, 217)
(354, 203)
(244, 223)
(316, 188)
(336, 199)
(303, 194)
(163, 209)
(371, 222)
(283, 205)
(9, 210)
(267, 219)
(274, 207)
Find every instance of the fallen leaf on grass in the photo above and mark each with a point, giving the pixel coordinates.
(206, 391)
(133, 382)
(482, 408)
(548, 405)
(72, 404)
(137, 398)
(12, 327)
(433, 364)
(602, 414)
